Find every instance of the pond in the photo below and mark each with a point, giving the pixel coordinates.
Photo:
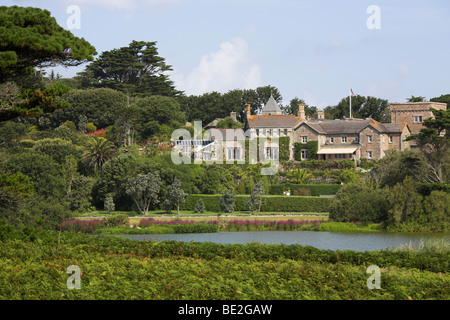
(321, 240)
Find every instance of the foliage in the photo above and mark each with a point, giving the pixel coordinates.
(434, 142)
(109, 203)
(31, 38)
(284, 149)
(43, 171)
(405, 202)
(144, 190)
(362, 107)
(255, 200)
(359, 202)
(299, 176)
(11, 132)
(199, 206)
(314, 189)
(269, 203)
(79, 198)
(175, 270)
(175, 194)
(310, 146)
(227, 201)
(137, 69)
(84, 226)
(98, 152)
(229, 123)
(115, 220)
(101, 106)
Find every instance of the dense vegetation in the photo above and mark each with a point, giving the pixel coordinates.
(101, 141)
(114, 268)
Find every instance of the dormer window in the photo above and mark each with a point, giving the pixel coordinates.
(344, 139)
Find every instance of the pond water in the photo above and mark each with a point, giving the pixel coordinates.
(320, 240)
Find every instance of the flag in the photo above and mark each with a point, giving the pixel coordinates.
(352, 92)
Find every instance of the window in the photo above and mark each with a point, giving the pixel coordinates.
(270, 132)
(391, 138)
(257, 132)
(304, 154)
(285, 132)
(417, 119)
(271, 153)
(356, 139)
(369, 139)
(369, 154)
(344, 139)
(234, 153)
(331, 140)
(304, 139)
(264, 132)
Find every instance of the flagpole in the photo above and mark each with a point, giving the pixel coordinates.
(350, 94)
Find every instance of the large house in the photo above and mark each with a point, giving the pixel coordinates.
(347, 138)
(336, 139)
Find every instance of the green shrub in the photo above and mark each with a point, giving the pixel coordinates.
(194, 228)
(314, 189)
(269, 203)
(116, 220)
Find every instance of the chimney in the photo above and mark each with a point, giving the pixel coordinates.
(301, 112)
(248, 111)
(233, 115)
(320, 114)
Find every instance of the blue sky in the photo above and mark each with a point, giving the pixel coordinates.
(313, 50)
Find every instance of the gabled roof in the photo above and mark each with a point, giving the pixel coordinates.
(271, 106)
(272, 121)
(352, 126)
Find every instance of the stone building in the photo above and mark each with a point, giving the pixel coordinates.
(348, 138)
(336, 139)
(414, 113)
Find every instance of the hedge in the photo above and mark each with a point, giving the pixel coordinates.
(314, 189)
(271, 203)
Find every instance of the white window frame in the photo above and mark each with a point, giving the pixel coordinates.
(304, 154)
(304, 139)
(391, 139)
(369, 138)
(418, 119)
(331, 139)
(344, 139)
(369, 154)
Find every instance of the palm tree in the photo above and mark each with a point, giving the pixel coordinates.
(299, 176)
(99, 151)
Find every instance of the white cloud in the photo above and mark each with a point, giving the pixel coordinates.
(228, 68)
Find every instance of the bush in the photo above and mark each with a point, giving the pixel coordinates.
(199, 206)
(227, 201)
(360, 202)
(194, 228)
(116, 220)
(269, 203)
(314, 189)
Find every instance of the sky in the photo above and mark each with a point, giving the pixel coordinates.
(312, 50)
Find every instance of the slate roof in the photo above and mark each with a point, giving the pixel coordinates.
(271, 106)
(353, 126)
(272, 121)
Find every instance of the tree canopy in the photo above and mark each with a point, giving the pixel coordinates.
(362, 107)
(31, 37)
(137, 69)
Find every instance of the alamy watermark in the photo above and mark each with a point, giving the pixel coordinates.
(374, 20)
(74, 19)
(374, 281)
(74, 280)
(229, 146)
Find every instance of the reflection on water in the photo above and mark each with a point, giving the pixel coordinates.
(321, 240)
